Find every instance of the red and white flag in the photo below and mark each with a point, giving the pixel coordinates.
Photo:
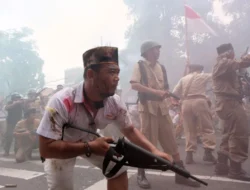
(195, 23)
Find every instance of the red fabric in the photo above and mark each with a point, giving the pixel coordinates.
(190, 13)
(68, 103)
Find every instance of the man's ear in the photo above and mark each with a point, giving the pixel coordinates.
(90, 74)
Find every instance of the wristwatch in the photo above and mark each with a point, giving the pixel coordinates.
(87, 148)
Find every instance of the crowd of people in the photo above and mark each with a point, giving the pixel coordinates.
(21, 121)
(157, 117)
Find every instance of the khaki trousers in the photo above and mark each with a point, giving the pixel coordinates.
(197, 118)
(235, 134)
(178, 130)
(160, 128)
(25, 146)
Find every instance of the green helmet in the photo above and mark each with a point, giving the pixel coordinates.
(32, 91)
(147, 45)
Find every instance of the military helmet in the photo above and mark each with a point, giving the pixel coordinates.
(15, 95)
(32, 91)
(147, 45)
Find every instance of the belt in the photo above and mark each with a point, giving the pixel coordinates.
(195, 97)
(228, 96)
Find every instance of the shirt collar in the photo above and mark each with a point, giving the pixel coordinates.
(80, 96)
(148, 62)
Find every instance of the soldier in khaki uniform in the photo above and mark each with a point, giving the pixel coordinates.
(156, 123)
(25, 136)
(229, 107)
(33, 102)
(196, 112)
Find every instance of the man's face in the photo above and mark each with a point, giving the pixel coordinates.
(106, 80)
(31, 117)
(16, 98)
(154, 53)
(31, 95)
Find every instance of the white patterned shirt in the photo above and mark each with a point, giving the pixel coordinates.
(66, 106)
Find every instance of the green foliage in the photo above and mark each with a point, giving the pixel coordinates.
(20, 63)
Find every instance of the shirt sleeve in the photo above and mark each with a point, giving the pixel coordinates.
(20, 127)
(178, 89)
(123, 119)
(226, 66)
(207, 76)
(54, 118)
(136, 75)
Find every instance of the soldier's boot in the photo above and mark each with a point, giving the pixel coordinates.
(221, 167)
(20, 155)
(28, 155)
(236, 172)
(208, 156)
(182, 180)
(189, 158)
(142, 180)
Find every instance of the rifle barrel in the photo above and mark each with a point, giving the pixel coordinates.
(197, 179)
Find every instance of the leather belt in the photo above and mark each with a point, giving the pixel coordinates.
(196, 97)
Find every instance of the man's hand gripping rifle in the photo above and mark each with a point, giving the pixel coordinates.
(126, 153)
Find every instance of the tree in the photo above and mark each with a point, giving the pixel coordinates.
(20, 63)
(163, 21)
(238, 30)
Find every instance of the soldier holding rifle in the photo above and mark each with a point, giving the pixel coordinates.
(149, 78)
(15, 111)
(90, 105)
(229, 108)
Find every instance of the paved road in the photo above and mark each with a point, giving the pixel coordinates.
(30, 176)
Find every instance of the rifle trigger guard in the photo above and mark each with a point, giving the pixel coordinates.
(111, 156)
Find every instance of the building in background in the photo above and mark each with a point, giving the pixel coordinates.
(73, 76)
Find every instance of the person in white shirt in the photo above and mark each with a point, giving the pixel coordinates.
(91, 105)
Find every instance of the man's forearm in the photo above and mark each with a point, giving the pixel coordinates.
(9, 106)
(61, 149)
(244, 64)
(136, 137)
(140, 88)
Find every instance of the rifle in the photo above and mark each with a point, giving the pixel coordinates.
(174, 96)
(243, 74)
(170, 94)
(135, 156)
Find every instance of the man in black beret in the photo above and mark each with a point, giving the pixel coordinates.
(91, 105)
(229, 108)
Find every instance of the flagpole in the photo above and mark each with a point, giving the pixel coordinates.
(186, 42)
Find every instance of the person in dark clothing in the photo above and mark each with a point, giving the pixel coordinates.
(15, 110)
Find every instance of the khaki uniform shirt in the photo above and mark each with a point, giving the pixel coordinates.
(197, 87)
(225, 79)
(155, 81)
(36, 104)
(23, 126)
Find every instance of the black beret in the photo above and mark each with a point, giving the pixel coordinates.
(196, 67)
(98, 55)
(224, 48)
